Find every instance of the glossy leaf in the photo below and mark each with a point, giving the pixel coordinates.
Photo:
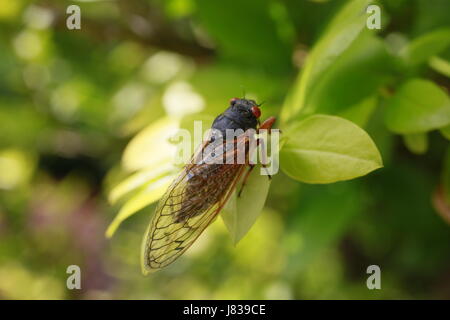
(446, 132)
(339, 35)
(426, 46)
(137, 180)
(440, 65)
(416, 142)
(145, 197)
(360, 112)
(240, 213)
(152, 146)
(418, 106)
(326, 149)
(189, 123)
(355, 76)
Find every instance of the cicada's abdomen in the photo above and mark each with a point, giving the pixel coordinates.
(201, 191)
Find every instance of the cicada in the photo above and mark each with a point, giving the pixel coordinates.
(200, 191)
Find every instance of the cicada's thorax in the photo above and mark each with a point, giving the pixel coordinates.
(198, 198)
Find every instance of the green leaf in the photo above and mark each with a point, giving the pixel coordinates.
(360, 112)
(418, 106)
(137, 180)
(326, 149)
(446, 132)
(440, 65)
(151, 147)
(345, 27)
(354, 76)
(240, 213)
(416, 142)
(188, 123)
(145, 197)
(426, 46)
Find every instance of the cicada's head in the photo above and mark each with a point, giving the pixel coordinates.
(241, 114)
(247, 108)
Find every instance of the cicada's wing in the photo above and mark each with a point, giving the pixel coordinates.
(189, 205)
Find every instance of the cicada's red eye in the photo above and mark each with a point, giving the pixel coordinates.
(256, 111)
(233, 100)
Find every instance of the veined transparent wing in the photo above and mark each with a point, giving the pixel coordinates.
(189, 205)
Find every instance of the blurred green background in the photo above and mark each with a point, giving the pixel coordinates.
(71, 100)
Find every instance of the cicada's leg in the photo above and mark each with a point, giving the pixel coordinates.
(268, 123)
(263, 155)
(247, 174)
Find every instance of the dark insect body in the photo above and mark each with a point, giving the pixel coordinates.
(201, 190)
(242, 114)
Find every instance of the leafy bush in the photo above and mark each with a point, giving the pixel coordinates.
(86, 118)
